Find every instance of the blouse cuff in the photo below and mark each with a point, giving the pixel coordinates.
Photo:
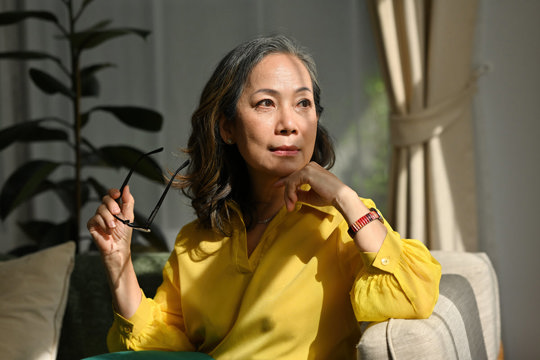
(136, 323)
(388, 256)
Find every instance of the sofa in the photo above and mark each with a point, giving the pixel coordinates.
(56, 305)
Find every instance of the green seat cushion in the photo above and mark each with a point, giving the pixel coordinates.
(151, 355)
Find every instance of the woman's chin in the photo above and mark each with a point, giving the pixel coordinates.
(280, 168)
(286, 169)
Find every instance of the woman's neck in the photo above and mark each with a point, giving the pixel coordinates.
(268, 199)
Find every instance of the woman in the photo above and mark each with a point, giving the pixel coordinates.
(284, 259)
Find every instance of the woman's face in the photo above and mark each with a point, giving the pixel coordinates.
(276, 122)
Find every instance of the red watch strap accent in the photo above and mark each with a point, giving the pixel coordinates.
(372, 215)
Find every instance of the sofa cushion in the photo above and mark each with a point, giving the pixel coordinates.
(33, 294)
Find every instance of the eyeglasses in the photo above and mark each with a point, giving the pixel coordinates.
(146, 226)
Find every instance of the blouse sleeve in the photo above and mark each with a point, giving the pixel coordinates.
(401, 280)
(158, 323)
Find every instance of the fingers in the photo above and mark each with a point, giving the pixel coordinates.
(294, 185)
(104, 221)
(96, 225)
(128, 202)
(323, 186)
(114, 193)
(291, 197)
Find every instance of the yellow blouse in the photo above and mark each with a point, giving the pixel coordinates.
(300, 295)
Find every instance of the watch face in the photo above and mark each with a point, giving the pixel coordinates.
(379, 215)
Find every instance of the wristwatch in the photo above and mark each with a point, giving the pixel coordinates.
(372, 215)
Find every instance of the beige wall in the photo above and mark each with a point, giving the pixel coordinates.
(508, 126)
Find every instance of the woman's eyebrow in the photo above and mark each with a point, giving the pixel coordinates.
(275, 92)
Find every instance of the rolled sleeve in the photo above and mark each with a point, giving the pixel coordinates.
(401, 280)
(147, 329)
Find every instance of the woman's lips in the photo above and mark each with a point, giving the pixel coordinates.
(285, 150)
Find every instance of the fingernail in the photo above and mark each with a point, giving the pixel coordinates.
(112, 224)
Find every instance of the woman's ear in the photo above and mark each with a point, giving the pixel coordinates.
(226, 131)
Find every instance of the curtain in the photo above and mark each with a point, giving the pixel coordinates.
(425, 48)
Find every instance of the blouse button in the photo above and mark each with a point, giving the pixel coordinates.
(385, 261)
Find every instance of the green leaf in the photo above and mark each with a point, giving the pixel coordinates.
(86, 3)
(50, 234)
(92, 69)
(65, 189)
(137, 117)
(89, 39)
(24, 250)
(29, 131)
(24, 183)
(39, 133)
(91, 156)
(48, 84)
(86, 145)
(98, 187)
(13, 17)
(89, 83)
(28, 55)
(35, 229)
(99, 25)
(126, 156)
(89, 86)
(60, 233)
(85, 117)
(13, 133)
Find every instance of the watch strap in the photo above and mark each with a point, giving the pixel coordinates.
(372, 215)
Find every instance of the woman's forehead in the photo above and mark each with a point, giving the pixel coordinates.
(279, 71)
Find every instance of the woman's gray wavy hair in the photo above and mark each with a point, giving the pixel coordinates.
(217, 175)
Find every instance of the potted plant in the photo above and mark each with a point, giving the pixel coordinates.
(77, 82)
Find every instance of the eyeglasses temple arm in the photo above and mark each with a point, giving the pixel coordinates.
(133, 169)
(158, 205)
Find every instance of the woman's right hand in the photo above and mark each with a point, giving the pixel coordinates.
(112, 237)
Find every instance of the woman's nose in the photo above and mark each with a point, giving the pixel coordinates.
(286, 124)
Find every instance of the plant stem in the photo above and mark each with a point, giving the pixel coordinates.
(76, 86)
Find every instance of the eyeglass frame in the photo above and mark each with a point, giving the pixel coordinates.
(146, 227)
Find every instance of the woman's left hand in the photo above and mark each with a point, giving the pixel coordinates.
(325, 188)
(328, 189)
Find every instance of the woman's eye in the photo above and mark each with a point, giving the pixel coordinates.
(265, 103)
(305, 103)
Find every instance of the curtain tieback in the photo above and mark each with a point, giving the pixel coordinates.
(420, 126)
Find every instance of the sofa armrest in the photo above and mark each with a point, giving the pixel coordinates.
(465, 323)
